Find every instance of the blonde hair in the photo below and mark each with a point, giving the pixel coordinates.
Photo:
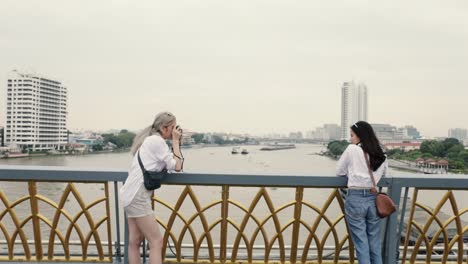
(162, 119)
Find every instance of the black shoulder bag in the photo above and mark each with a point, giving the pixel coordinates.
(151, 179)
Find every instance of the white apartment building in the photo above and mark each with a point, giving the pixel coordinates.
(353, 106)
(36, 112)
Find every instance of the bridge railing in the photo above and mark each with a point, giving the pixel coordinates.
(65, 214)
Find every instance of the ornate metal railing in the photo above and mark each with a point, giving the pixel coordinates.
(258, 242)
(209, 218)
(36, 218)
(448, 239)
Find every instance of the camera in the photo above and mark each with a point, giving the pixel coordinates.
(179, 129)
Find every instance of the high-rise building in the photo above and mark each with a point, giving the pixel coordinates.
(458, 133)
(2, 137)
(353, 106)
(36, 112)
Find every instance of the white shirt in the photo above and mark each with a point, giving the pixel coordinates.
(353, 164)
(155, 156)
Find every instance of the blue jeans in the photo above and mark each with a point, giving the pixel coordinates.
(364, 225)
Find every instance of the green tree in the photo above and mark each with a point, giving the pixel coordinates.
(218, 140)
(427, 156)
(455, 149)
(451, 149)
(433, 147)
(457, 164)
(393, 152)
(464, 156)
(97, 147)
(123, 140)
(413, 155)
(451, 142)
(198, 138)
(337, 147)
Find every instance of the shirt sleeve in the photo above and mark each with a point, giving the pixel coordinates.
(163, 154)
(342, 166)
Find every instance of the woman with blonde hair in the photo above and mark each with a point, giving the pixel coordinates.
(150, 146)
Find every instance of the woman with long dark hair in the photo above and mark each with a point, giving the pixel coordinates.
(360, 211)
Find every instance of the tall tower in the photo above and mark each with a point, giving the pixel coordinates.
(353, 106)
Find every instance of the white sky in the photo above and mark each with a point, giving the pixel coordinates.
(244, 66)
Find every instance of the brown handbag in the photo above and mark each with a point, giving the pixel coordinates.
(384, 204)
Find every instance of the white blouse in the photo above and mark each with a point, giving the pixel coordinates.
(353, 164)
(155, 156)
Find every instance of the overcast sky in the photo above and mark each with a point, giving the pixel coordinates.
(244, 66)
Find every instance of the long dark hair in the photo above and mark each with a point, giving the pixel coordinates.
(369, 143)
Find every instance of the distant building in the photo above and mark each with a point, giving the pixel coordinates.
(412, 132)
(90, 141)
(458, 133)
(320, 133)
(333, 131)
(36, 112)
(309, 134)
(384, 131)
(387, 133)
(77, 148)
(295, 135)
(326, 133)
(187, 138)
(208, 137)
(353, 106)
(109, 146)
(403, 146)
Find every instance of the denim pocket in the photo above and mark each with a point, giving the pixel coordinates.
(355, 209)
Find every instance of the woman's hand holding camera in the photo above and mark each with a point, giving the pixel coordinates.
(177, 133)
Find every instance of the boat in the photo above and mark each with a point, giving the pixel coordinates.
(11, 155)
(12, 152)
(245, 152)
(53, 152)
(235, 150)
(277, 146)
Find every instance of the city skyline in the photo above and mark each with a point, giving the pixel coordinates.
(246, 67)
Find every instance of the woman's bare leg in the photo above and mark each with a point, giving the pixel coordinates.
(150, 229)
(135, 239)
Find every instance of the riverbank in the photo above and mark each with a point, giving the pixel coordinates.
(121, 150)
(60, 154)
(401, 165)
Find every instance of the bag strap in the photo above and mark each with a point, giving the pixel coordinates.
(374, 189)
(141, 163)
